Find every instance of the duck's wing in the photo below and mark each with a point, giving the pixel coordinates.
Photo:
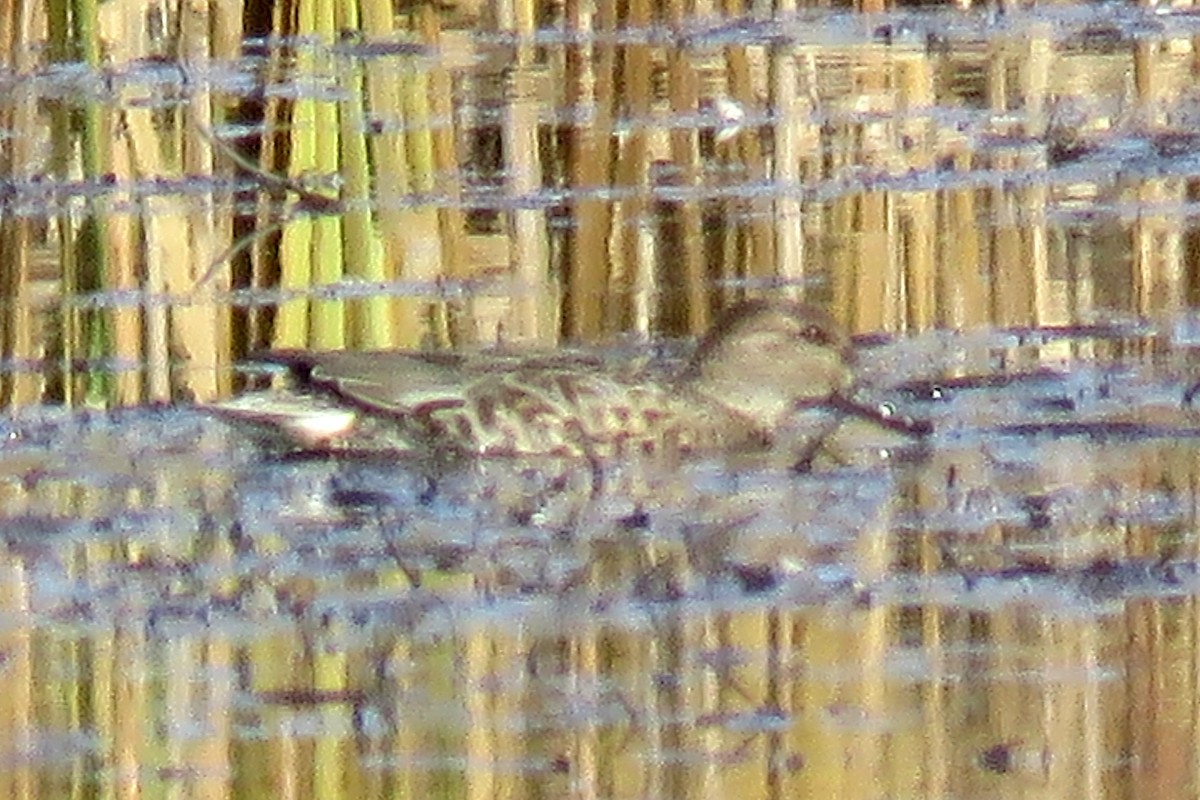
(394, 380)
(332, 393)
(481, 403)
(390, 382)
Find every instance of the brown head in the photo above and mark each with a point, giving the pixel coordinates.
(763, 359)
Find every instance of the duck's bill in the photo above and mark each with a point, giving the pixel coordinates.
(883, 416)
(851, 433)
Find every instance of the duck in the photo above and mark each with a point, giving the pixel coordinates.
(762, 365)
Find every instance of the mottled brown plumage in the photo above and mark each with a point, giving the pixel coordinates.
(760, 362)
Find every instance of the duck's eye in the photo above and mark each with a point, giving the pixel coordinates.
(815, 334)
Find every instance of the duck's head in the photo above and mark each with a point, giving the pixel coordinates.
(763, 359)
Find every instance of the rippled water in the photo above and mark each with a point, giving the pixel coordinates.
(955, 622)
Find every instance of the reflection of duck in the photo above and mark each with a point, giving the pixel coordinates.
(761, 362)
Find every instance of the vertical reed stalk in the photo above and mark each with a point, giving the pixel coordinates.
(163, 238)
(1077, 260)
(392, 179)
(292, 321)
(684, 258)
(266, 269)
(590, 97)
(877, 292)
(446, 166)
(424, 257)
(201, 329)
(123, 240)
(759, 229)
(92, 336)
(1016, 304)
(790, 116)
(530, 255)
(17, 318)
(369, 317)
(12, 32)
(963, 298)
(328, 322)
(840, 213)
(633, 169)
(914, 83)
